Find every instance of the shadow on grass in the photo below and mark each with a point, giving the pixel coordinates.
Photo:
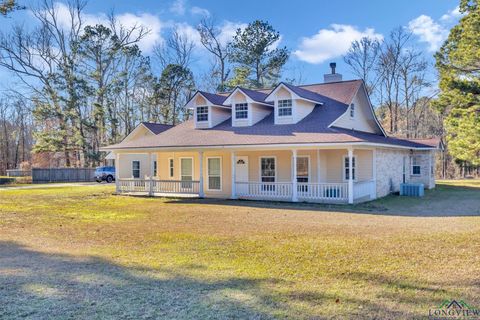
(444, 201)
(36, 285)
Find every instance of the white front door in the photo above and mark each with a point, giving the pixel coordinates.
(241, 172)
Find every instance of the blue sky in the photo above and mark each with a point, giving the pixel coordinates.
(317, 32)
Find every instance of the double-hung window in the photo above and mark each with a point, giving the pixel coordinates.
(302, 173)
(416, 165)
(202, 114)
(214, 173)
(346, 167)
(352, 110)
(154, 168)
(284, 108)
(170, 167)
(267, 173)
(186, 172)
(136, 169)
(241, 111)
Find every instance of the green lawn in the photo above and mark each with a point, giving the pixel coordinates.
(81, 252)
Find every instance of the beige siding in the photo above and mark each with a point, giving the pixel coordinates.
(258, 112)
(333, 162)
(124, 169)
(163, 169)
(302, 109)
(239, 97)
(283, 94)
(363, 119)
(139, 132)
(218, 115)
(331, 166)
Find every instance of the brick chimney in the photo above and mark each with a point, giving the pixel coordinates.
(332, 77)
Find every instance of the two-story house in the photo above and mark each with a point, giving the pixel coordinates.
(314, 143)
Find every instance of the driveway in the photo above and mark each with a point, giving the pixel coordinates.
(52, 185)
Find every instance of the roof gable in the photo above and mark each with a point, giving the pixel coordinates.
(297, 92)
(254, 96)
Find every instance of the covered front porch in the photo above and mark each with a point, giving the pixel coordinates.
(322, 175)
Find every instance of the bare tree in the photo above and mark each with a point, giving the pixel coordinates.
(362, 58)
(177, 49)
(210, 38)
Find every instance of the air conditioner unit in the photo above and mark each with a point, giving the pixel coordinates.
(412, 189)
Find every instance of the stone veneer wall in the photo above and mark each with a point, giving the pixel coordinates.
(389, 165)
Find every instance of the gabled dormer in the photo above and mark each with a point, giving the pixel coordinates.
(208, 109)
(248, 106)
(360, 115)
(291, 103)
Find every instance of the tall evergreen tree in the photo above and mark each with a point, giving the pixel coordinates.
(253, 48)
(458, 63)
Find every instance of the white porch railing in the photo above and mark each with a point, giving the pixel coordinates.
(310, 192)
(152, 186)
(323, 192)
(133, 185)
(264, 190)
(364, 189)
(176, 186)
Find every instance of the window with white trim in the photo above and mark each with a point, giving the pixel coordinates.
(352, 110)
(346, 168)
(214, 173)
(155, 168)
(170, 167)
(267, 173)
(202, 114)
(186, 172)
(416, 165)
(241, 111)
(284, 107)
(302, 173)
(136, 169)
(302, 169)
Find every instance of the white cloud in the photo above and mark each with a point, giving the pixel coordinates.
(229, 30)
(428, 31)
(453, 14)
(331, 43)
(146, 20)
(128, 20)
(189, 32)
(200, 11)
(434, 32)
(178, 7)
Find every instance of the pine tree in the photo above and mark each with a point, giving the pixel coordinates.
(458, 63)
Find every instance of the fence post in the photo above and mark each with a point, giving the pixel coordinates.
(150, 191)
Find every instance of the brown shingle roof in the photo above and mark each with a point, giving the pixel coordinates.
(312, 129)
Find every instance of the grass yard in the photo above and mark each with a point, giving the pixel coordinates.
(81, 252)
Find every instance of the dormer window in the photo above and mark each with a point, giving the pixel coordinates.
(241, 111)
(352, 110)
(202, 114)
(284, 108)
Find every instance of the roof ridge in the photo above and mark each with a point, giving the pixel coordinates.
(296, 85)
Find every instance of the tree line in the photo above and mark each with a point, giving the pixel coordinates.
(89, 85)
(84, 86)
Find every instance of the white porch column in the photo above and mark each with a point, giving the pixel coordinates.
(201, 193)
(150, 183)
(117, 172)
(374, 174)
(294, 176)
(350, 175)
(318, 166)
(234, 175)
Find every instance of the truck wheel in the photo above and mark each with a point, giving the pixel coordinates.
(109, 179)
